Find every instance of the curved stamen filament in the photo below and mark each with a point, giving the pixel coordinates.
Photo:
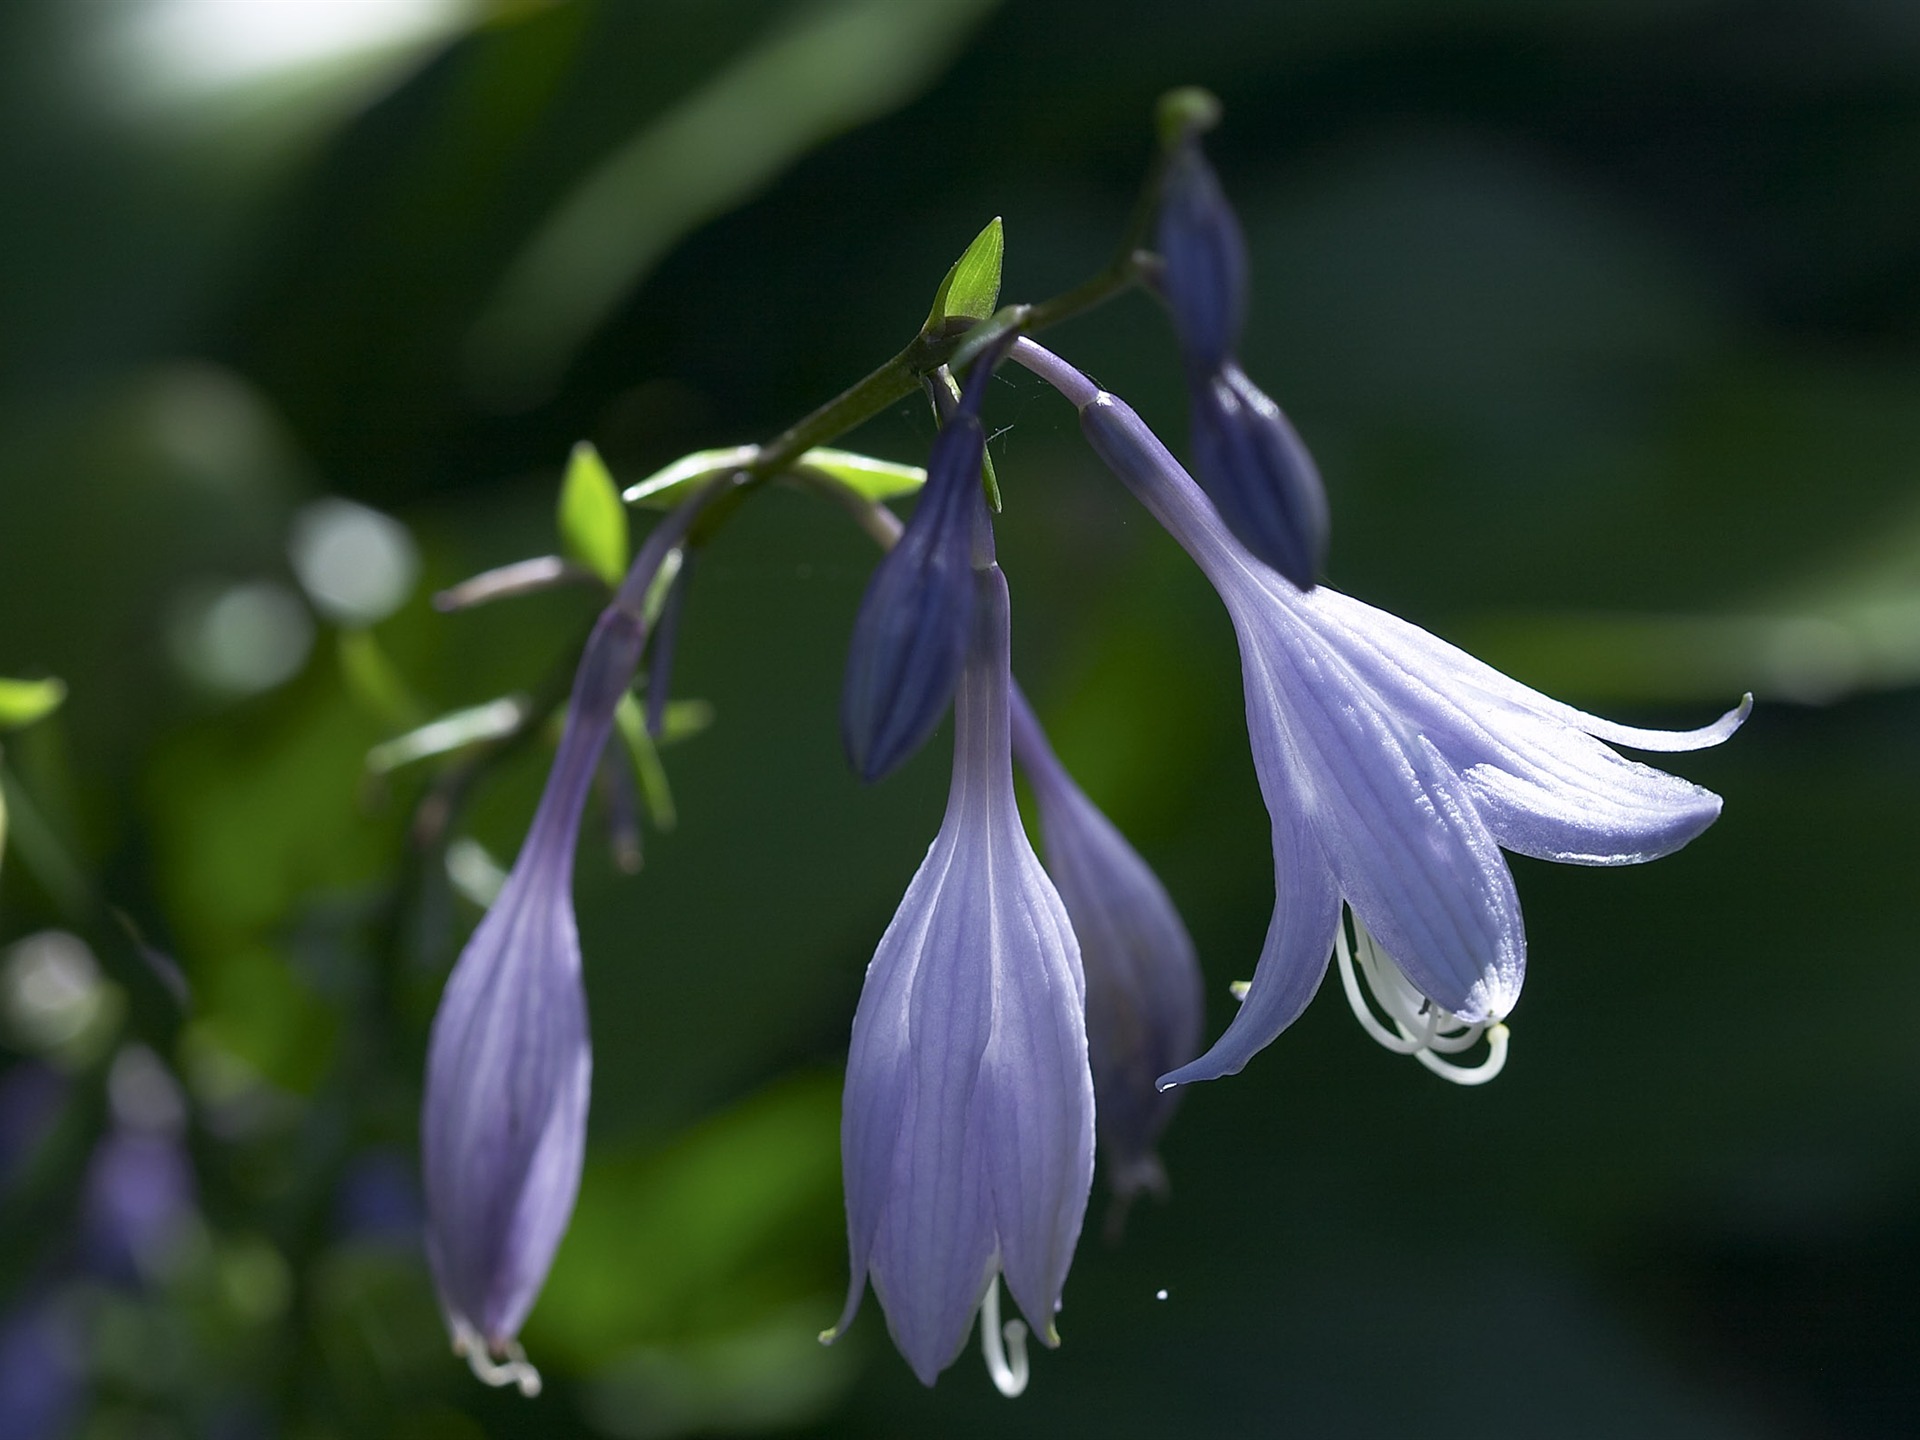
(510, 1367)
(1004, 1346)
(1420, 1028)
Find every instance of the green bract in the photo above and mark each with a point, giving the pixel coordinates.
(593, 522)
(973, 284)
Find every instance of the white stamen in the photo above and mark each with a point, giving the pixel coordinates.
(998, 1342)
(1420, 1028)
(511, 1367)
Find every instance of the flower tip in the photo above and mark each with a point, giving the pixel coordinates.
(828, 1335)
(1186, 112)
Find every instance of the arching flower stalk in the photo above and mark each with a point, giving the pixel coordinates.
(1395, 769)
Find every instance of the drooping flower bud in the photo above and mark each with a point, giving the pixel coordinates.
(967, 1130)
(910, 637)
(503, 1121)
(1258, 474)
(1144, 998)
(1203, 259)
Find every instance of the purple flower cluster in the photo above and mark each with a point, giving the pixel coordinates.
(1015, 1013)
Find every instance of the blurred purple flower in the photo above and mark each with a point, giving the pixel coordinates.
(138, 1202)
(40, 1377)
(503, 1120)
(967, 1128)
(1395, 768)
(32, 1094)
(1144, 1003)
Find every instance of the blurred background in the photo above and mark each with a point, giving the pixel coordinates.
(1603, 320)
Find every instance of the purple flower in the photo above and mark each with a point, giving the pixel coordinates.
(503, 1121)
(1258, 473)
(967, 1127)
(1144, 1001)
(910, 637)
(1395, 768)
(1203, 258)
(40, 1372)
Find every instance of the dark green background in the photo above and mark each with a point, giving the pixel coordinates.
(1603, 320)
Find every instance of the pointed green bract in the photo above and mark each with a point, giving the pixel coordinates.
(593, 522)
(665, 488)
(972, 286)
(867, 477)
(24, 701)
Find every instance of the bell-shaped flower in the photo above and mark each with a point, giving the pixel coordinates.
(910, 636)
(504, 1121)
(1258, 474)
(1144, 997)
(504, 1118)
(1395, 769)
(967, 1131)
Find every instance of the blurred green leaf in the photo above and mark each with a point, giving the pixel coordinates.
(824, 71)
(729, 1223)
(24, 701)
(255, 823)
(593, 522)
(652, 775)
(374, 680)
(684, 719)
(972, 286)
(867, 477)
(453, 731)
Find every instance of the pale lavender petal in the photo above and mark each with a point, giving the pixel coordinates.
(1299, 937)
(1144, 1003)
(968, 1122)
(503, 1121)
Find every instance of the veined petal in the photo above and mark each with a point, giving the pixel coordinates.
(1422, 652)
(968, 1121)
(1144, 999)
(1299, 937)
(506, 1104)
(1544, 785)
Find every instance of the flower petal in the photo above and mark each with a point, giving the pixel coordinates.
(1396, 821)
(1545, 787)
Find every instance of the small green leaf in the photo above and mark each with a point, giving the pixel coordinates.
(972, 286)
(684, 719)
(647, 769)
(867, 477)
(24, 701)
(453, 731)
(375, 682)
(663, 489)
(593, 522)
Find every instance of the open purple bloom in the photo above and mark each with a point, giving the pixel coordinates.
(1144, 1004)
(910, 637)
(503, 1121)
(1395, 768)
(967, 1129)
